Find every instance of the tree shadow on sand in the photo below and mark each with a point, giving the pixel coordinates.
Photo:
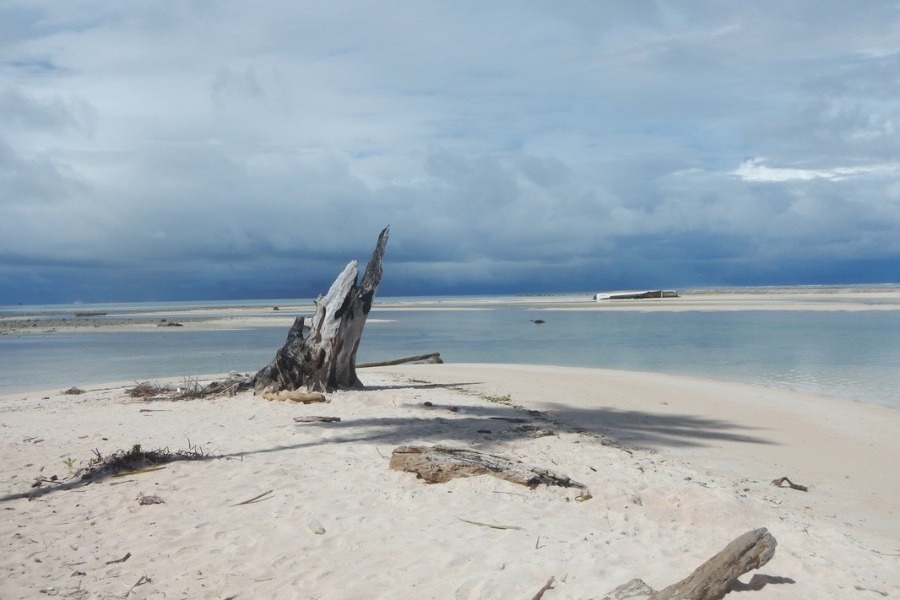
(633, 428)
(475, 421)
(485, 423)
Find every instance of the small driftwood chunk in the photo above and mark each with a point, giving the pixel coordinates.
(794, 486)
(438, 464)
(294, 396)
(145, 500)
(547, 586)
(316, 419)
(635, 589)
(714, 578)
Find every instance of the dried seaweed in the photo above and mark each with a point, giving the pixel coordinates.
(147, 390)
(190, 389)
(138, 460)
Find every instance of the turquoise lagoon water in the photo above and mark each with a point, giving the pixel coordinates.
(848, 354)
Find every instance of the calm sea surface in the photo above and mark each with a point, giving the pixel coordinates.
(848, 354)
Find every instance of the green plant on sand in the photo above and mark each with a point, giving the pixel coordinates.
(505, 399)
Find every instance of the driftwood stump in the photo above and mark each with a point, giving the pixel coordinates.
(714, 578)
(326, 360)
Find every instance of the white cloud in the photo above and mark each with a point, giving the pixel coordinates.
(755, 170)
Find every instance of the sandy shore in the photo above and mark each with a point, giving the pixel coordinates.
(677, 467)
(839, 298)
(23, 322)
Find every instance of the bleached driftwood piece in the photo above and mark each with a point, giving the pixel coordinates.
(635, 589)
(438, 464)
(433, 358)
(293, 396)
(714, 578)
(316, 419)
(794, 486)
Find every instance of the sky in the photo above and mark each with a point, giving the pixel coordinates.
(219, 149)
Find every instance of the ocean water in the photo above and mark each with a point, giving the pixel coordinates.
(852, 355)
(848, 354)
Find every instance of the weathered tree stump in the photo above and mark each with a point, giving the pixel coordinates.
(438, 464)
(326, 360)
(714, 578)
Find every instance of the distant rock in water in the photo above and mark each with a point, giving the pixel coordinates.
(167, 323)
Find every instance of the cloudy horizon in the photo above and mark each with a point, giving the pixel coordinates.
(199, 150)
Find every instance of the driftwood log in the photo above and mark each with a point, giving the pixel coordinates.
(714, 578)
(438, 464)
(433, 358)
(326, 360)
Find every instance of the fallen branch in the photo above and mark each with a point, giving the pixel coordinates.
(432, 358)
(714, 578)
(540, 592)
(254, 499)
(143, 579)
(317, 419)
(138, 471)
(491, 525)
(794, 486)
(119, 560)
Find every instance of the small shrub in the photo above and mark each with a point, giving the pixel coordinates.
(505, 399)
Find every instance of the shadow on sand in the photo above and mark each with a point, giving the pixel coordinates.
(488, 424)
(484, 425)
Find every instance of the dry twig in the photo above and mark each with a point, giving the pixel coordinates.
(794, 486)
(316, 419)
(255, 499)
(491, 525)
(547, 586)
(119, 560)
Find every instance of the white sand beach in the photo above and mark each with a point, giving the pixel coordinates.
(677, 468)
